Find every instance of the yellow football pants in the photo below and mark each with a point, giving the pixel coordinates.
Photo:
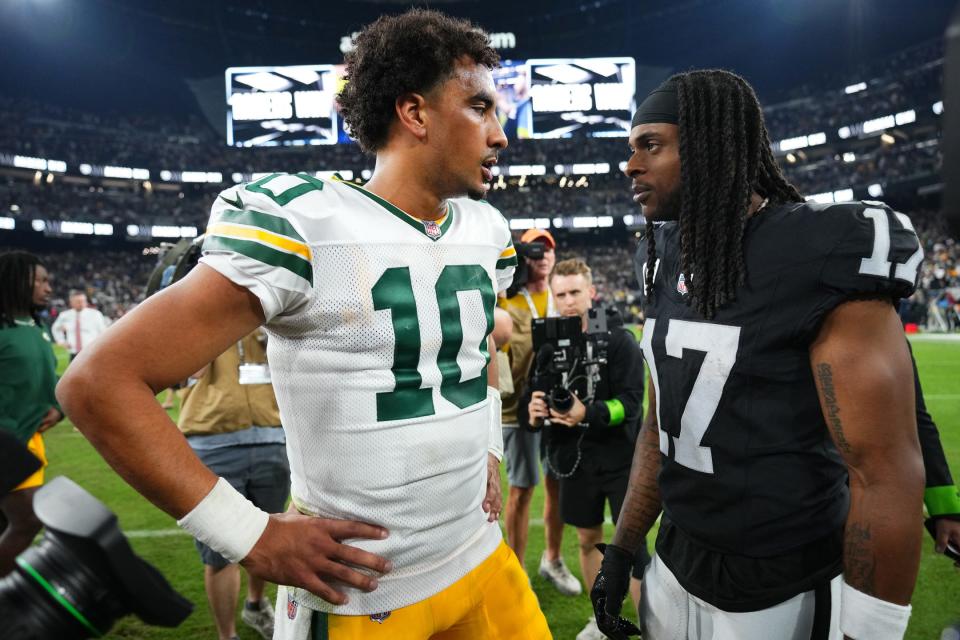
(492, 602)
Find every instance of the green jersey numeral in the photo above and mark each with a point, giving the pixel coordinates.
(394, 291)
(309, 184)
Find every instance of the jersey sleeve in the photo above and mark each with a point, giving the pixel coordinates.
(256, 245)
(507, 260)
(869, 251)
(506, 266)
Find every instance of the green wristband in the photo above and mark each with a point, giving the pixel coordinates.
(942, 501)
(617, 412)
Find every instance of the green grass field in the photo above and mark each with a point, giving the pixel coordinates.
(154, 535)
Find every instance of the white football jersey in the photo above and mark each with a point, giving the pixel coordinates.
(377, 326)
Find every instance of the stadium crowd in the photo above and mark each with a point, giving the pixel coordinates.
(114, 280)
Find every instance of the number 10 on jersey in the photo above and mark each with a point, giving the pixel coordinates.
(394, 291)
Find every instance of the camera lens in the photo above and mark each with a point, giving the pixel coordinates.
(53, 593)
(561, 400)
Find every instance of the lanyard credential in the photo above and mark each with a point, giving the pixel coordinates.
(551, 306)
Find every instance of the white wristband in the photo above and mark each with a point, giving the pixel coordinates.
(495, 406)
(864, 617)
(226, 522)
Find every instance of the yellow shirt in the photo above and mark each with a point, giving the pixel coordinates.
(520, 347)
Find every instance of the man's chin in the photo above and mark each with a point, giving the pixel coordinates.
(478, 194)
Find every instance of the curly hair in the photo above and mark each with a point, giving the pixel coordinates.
(725, 157)
(409, 53)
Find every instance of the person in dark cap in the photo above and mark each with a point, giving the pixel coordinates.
(781, 443)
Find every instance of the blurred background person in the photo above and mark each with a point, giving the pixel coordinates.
(79, 325)
(28, 378)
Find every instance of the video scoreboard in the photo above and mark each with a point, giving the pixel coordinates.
(536, 98)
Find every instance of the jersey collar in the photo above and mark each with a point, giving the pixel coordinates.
(433, 229)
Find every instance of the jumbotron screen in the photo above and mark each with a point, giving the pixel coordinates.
(272, 106)
(557, 97)
(537, 98)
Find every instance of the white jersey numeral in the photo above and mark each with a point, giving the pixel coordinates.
(719, 343)
(878, 264)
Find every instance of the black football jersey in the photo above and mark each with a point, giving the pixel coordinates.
(748, 466)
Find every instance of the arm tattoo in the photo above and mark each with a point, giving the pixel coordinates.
(641, 506)
(858, 559)
(832, 409)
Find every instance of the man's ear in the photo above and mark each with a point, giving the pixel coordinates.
(411, 114)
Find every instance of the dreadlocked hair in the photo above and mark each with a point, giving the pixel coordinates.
(17, 272)
(725, 157)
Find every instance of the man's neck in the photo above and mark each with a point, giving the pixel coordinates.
(537, 286)
(400, 185)
(757, 202)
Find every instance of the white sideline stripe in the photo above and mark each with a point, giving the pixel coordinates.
(942, 396)
(155, 533)
(167, 533)
(934, 337)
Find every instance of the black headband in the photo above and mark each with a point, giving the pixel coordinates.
(660, 106)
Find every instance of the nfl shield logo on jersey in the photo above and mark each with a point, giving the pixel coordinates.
(380, 617)
(292, 606)
(432, 228)
(682, 285)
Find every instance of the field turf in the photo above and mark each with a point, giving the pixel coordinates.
(155, 536)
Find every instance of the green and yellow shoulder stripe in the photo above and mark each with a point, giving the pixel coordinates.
(266, 237)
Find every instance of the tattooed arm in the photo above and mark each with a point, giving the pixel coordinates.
(864, 379)
(641, 505)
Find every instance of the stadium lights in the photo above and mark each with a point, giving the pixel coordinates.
(38, 225)
(854, 88)
(522, 223)
(888, 139)
(38, 164)
(558, 222)
(849, 156)
(525, 170)
(802, 142)
(133, 230)
(522, 181)
(879, 124)
(938, 107)
(844, 132)
(14, 208)
(905, 117)
(585, 222)
(875, 190)
(843, 195)
(365, 174)
(821, 198)
(49, 178)
(28, 162)
(563, 182)
(791, 158)
(86, 169)
(7, 223)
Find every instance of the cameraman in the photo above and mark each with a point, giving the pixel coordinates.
(590, 446)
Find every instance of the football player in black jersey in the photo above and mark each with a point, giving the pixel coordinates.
(781, 444)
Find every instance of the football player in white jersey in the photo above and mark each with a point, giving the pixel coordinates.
(378, 302)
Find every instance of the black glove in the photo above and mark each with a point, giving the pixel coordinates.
(609, 589)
